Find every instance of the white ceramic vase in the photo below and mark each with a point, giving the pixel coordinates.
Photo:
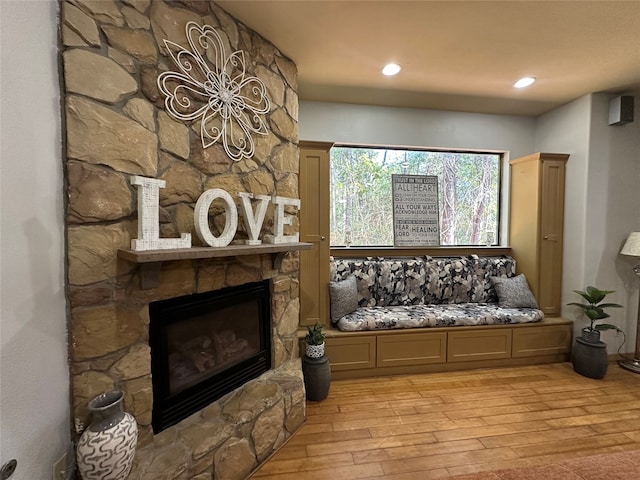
(315, 351)
(106, 448)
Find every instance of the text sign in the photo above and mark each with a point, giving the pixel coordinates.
(415, 210)
(149, 217)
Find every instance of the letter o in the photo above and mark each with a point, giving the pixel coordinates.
(201, 218)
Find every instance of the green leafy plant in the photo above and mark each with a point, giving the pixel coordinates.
(314, 335)
(594, 309)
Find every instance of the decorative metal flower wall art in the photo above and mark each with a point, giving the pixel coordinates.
(227, 102)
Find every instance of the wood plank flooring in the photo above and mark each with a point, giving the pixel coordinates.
(446, 424)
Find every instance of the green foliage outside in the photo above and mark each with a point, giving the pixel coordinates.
(361, 199)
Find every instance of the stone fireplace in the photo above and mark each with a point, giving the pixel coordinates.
(116, 126)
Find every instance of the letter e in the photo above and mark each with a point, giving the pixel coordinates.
(281, 219)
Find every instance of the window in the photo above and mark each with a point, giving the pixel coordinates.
(361, 200)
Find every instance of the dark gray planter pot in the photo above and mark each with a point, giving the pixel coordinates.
(590, 359)
(317, 377)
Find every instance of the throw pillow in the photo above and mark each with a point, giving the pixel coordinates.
(514, 292)
(344, 297)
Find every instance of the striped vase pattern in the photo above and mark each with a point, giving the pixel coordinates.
(106, 448)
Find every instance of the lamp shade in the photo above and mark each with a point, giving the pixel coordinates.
(632, 245)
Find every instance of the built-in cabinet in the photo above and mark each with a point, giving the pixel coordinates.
(314, 229)
(536, 218)
(439, 349)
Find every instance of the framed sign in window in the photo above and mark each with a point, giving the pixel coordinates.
(415, 210)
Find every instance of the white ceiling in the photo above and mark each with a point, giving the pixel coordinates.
(455, 55)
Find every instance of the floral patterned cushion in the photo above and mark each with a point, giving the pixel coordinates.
(439, 282)
(415, 280)
(444, 315)
(365, 270)
(483, 268)
(461, 279)
(449, 291)
(390, 285)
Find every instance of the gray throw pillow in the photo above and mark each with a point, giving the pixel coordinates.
(344, 297)
(514, 292)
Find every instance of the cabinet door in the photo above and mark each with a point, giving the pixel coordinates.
(524, 228)
(351, 352)
(470, 346)
(408, 349)
(536, 341)
(314, 228)
(551, 226)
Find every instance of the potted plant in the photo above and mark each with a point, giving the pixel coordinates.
(589, 356)
(314, 341)
(315, 365)
(594, 309)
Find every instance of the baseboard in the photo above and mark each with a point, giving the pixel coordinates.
(614, 357)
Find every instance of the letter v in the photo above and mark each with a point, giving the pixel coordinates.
(253, 223)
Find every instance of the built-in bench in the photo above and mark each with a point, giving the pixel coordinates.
(438, 349)
(380, 326)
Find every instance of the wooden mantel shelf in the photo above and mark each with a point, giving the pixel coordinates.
(151, 260)
(148, 256)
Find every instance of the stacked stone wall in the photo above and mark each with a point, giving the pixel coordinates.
(116, 126)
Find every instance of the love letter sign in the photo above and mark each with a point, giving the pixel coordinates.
(149, 219)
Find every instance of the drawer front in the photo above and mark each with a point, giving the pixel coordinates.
(536, 341)
(479, 345)
(412, 349)
(351, 353)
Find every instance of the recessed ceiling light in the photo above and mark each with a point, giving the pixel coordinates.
(524, 82)
(390, 69)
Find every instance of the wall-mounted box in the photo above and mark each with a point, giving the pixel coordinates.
(621, 110)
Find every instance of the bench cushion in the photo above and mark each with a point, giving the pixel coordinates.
(384, 282)
(443, 315)
(415, 292)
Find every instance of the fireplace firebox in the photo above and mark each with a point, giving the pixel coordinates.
(206, 345)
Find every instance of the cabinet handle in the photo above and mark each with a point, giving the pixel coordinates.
(323, 238)
(546, 237)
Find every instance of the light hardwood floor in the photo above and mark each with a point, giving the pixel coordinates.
(445, 424)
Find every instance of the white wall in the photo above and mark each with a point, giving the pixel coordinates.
(614, 203)
(622, 214)
(602, 204)
(370, 125)
(34, 375)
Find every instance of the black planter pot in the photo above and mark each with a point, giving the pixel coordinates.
(317, 377)
(590, 359)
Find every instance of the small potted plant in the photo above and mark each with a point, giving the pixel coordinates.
(315, 365)
(589, 354)
(594, 309)
(314, 341)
